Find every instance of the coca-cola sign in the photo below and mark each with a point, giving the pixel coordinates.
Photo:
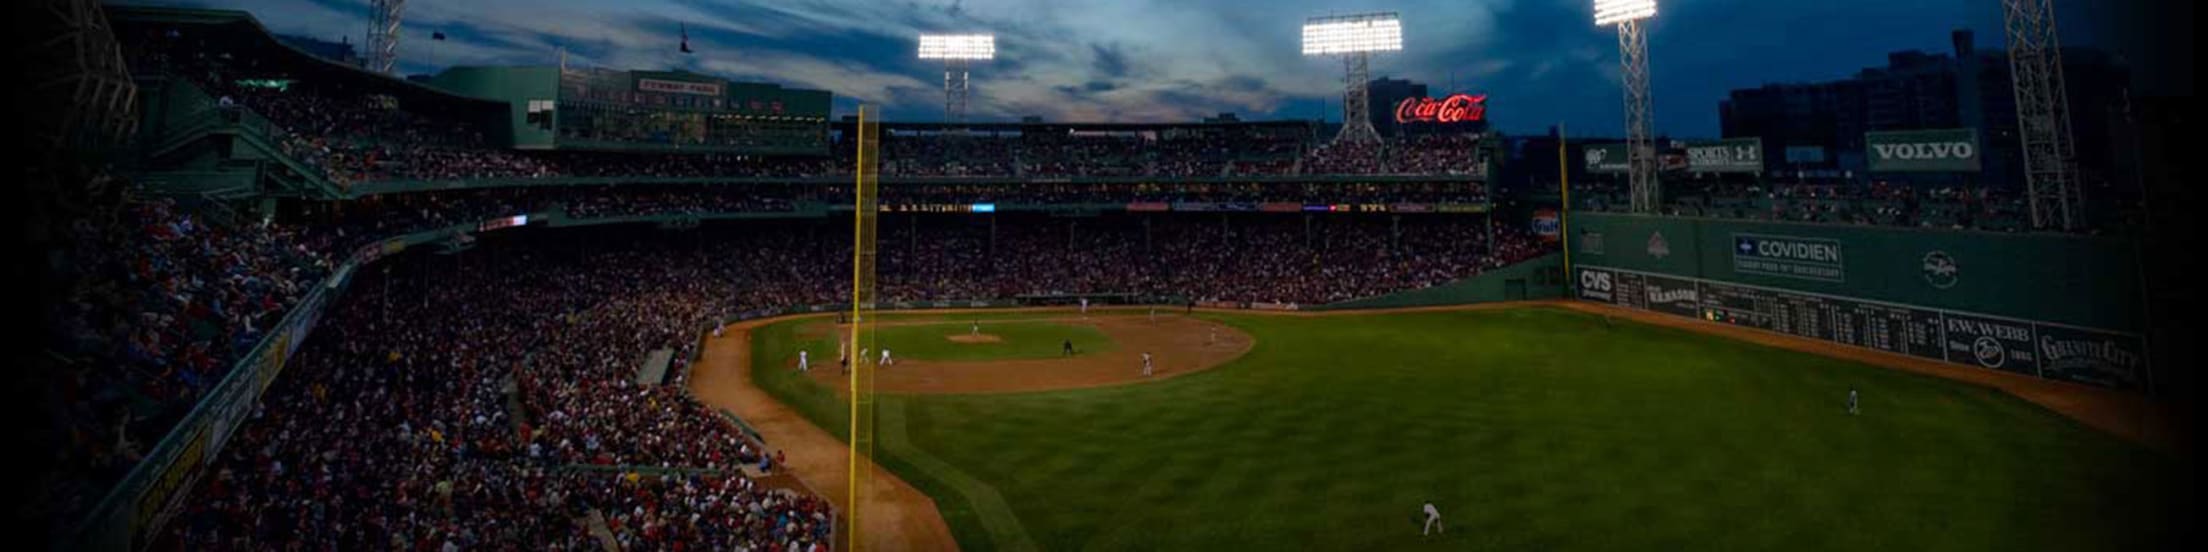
(1457, 108)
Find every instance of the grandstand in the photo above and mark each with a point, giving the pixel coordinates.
(312, 306)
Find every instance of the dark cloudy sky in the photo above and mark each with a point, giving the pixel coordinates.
(1541, 61)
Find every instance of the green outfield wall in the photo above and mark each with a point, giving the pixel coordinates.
(2056, 306)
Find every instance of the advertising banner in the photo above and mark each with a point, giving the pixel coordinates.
(1730, 155)
(2092, 357)
(1598, 285)
(678, 87)
(1950, 150)
(1545, 224)
(1788, 257)
(1606, 158)
(1991, 343)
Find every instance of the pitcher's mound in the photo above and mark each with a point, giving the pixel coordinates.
(975, 338)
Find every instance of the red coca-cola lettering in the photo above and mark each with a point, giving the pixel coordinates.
(1456, 108)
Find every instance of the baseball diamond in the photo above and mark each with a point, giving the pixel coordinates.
(729, 276)
(1512, 419)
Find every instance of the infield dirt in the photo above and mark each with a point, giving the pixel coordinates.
(1178, 346)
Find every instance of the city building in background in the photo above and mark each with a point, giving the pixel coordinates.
(1815, 131)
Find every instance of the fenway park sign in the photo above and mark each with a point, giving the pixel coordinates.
(1457, 108)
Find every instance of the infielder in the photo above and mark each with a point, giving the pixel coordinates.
(1851, 401)
(1433, 520)
(1067, 350)
(1084, 306)
(1146, 364)
(885, 358)
(804, 362)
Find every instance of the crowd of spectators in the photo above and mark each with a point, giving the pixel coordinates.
(154, 305)
(492, 405)
(1878, 203)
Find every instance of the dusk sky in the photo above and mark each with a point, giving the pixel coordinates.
(1542, 62)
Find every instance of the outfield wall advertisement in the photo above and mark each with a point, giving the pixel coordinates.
(2054, 351)
(2060, 307)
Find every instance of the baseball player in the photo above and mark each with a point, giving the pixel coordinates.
(885, 358)
(1084, 306)
(1067, 349)
(1851, 401)
(1433, 521)
(719, 328)
(804, 361)
(1153, 313)
(977, 328)
(862, 353)
(1146, 364)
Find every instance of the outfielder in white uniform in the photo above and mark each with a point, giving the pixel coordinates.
(885, 358)
(1146, 365)
(804, 362)
(1433, 520)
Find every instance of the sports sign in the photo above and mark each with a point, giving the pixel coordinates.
(1606, 158)
(1951, 150)
(1457, 108)
(1730, 155)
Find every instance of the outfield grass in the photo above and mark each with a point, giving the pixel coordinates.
(1531, 429)
(1019, 340)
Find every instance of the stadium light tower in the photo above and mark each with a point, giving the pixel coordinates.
(1640, 145)
(383, 35)
(1354, 38)
(2042, 112)
(957, 51)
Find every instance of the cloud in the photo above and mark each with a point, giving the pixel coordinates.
(1543, 61)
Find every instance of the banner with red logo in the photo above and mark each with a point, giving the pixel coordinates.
(1457, 108)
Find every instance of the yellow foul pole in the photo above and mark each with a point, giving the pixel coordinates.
(861, 336)
(1564, 211)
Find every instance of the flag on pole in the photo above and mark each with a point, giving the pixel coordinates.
(685, 38)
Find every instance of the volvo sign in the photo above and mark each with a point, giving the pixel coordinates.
(1954, 150)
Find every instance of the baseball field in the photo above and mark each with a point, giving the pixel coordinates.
(1529, 428)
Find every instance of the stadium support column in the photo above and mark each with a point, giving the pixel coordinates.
(1357, 100)
(1647, 193)
(864, 209)
(2042, 112)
